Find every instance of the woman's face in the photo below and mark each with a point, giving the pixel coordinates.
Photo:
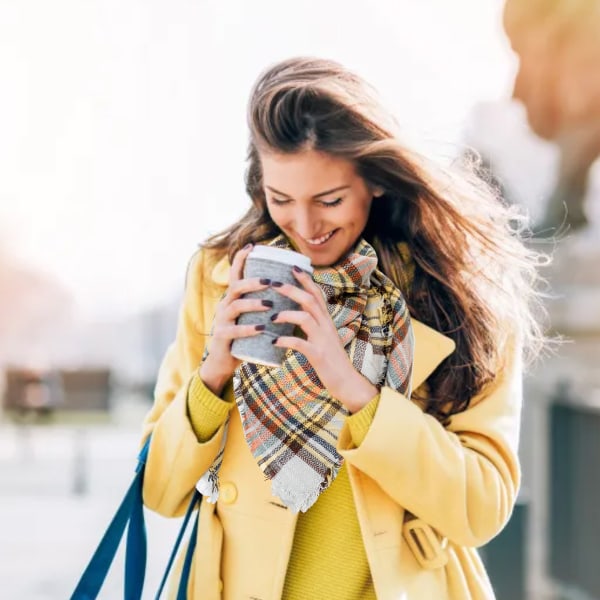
(319, 202)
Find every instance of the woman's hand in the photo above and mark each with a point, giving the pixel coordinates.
(219, 365)
(323, 347)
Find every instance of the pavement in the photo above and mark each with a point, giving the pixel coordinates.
(59, 488)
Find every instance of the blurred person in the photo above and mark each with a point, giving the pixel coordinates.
(558, 82)
(415, 458)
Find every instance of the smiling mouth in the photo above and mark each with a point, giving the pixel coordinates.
(320, 240)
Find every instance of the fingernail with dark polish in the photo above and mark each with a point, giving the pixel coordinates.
(267, 303)
(276, 283)
(274, 340)
(247, 246)
(273, 317)
(265, 281)
(297, 269)
(260, 327)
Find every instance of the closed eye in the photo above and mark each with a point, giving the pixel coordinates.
(333, 203)
(282, 201)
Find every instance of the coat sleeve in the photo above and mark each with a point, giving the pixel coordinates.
(177, 459)
(462, 479)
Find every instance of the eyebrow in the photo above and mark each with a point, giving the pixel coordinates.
(319, 195)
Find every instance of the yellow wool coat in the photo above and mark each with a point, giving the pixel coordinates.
(425, 495)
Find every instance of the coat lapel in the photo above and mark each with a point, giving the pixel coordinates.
(431, 346)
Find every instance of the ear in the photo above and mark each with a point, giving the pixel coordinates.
(377, 191)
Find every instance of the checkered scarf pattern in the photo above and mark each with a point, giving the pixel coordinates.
(290, 421)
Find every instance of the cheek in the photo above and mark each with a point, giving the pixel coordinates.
(278, 217)
(360, 215)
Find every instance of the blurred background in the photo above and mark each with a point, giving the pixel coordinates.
(122, 144)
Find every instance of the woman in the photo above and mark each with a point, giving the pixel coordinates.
(422, 478)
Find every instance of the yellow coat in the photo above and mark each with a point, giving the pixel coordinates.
(425, 495)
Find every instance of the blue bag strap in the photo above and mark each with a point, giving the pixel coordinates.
(130, 514)
(187, 562)
(194, 502)
(135, 553)
(130, 511)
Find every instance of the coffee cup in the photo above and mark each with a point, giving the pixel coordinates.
(275, 264)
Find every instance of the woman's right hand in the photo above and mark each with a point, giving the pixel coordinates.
(219, 365)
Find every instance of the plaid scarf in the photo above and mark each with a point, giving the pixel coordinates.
(290, 421)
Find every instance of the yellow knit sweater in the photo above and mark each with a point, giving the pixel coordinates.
(328, 558)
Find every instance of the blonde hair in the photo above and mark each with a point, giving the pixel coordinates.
(473, 277)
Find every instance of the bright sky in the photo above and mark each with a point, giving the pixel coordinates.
(122, 124)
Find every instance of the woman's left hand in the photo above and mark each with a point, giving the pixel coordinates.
(322, 346)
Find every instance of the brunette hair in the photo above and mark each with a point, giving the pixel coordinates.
(473, 277)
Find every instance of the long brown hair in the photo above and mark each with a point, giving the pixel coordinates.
(474, 279)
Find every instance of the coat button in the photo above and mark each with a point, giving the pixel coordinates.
(228, 492)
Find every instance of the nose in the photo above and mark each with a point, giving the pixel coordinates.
(305, 223)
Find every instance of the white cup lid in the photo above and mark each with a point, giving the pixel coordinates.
(288, 257)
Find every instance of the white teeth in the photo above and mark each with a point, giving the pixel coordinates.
(321, 240)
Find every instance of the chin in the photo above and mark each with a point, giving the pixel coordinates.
(325, 259)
